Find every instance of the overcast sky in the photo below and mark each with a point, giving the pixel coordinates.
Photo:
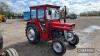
(75, 6)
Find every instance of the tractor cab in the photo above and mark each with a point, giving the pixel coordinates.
(44, 12)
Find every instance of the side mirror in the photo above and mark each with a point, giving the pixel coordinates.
(72, 16)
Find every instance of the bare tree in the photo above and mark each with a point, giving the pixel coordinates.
(4, 8)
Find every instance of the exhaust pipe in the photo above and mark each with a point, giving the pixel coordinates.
(65, 10)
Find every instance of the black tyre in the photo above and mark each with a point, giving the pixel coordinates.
(59, 46)
(75, 41)
(11, 52)
(32, 34)
(1, 41)
(72, 38)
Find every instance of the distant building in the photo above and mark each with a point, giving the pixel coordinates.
(26, 15)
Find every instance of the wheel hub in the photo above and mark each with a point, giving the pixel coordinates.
(31, 34)
(57, 47)
(71, 38)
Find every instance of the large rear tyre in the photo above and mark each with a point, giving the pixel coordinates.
(32, 34)
(11, 52)
(59, 46)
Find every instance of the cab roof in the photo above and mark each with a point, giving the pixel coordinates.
(45, 6)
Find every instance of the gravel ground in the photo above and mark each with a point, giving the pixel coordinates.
(86, 27)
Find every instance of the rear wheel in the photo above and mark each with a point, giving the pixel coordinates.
(11, 52)
(59, 46)
(32, 34)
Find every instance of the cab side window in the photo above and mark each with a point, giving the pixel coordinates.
(33, 13)
(40, 14)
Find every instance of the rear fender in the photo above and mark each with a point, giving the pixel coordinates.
(35, 22)
(43, 34)
(30, 22)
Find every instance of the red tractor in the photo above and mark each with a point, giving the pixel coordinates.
(45, 25)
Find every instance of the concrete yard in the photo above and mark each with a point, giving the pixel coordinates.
(87, 28)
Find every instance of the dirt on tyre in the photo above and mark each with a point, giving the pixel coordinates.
(58, 46)
(32, 34)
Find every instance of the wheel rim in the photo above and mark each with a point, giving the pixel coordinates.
(31, 34)
(57, 47)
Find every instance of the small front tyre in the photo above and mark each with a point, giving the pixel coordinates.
(59, 46)
(75, 41)
(72, 38)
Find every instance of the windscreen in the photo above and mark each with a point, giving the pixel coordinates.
(52, 13)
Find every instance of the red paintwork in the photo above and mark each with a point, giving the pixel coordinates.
(49, 24)
(62, 26)
(44, 6)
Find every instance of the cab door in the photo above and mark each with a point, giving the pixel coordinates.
(42, 23)
(41, 19)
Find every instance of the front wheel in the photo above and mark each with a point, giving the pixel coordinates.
(72, 38)
(59, 46)
(75, 41)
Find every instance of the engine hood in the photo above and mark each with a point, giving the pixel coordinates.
(62, 26)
